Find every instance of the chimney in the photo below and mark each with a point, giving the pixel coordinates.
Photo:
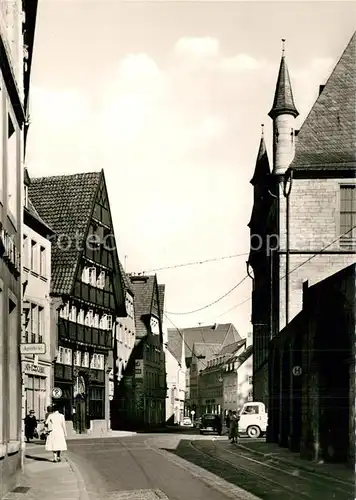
(321, 88)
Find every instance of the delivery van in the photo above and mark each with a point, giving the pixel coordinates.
(253, 419)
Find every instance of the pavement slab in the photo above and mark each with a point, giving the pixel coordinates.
(44, 480)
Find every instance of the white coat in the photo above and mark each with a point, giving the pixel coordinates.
(56, 439)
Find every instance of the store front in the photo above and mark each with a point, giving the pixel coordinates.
(37, 388)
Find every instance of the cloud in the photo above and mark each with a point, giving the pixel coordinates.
(197, 47)
(178, 142)
(241, 62)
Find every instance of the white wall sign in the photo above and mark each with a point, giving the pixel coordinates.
(297, 370)
(57, 392)
(33, 348)
(30, 368)
(139, 368)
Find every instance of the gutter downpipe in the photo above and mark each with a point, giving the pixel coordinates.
(286, 192)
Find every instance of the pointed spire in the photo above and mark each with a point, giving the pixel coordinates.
(262, 168)
(283, 98)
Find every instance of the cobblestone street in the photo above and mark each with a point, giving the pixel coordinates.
(176, 467)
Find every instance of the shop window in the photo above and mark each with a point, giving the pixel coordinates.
(36, 396)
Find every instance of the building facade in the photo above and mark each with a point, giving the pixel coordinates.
(36, 279)
(201, 344)
(17, 25)
(140, 398)
(310, 223)
(124, 343)
(176, 386)
(87, 294)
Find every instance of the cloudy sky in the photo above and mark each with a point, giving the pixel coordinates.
(168, 98)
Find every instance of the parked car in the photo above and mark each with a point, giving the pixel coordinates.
(253, 419)
(187, 422)
(211, 423)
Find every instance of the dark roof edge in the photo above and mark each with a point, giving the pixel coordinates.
(322, 171)
(36, 224)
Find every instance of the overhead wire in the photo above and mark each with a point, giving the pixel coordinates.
(211, 303)
(198, 262)
(320, 252)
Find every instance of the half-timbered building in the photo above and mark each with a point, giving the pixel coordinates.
(140, 397)
(87, 293)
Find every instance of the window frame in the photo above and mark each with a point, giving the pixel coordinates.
(347, 241)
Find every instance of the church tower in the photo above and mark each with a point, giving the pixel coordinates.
(283, 114)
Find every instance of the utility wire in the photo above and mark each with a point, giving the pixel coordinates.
(198, 262)
(212, 303)
(297, 267)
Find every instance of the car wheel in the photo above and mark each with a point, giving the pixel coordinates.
(201, 432)
(253, 431)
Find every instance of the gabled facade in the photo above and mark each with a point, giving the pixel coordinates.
(17, 26)
(218, 381)
(87, 293)
(141, 396)
(36, 281)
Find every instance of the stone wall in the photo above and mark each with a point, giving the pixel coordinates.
(313, 225)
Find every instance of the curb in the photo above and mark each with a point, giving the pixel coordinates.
(83, 493)
(206, 477)
(276, 459)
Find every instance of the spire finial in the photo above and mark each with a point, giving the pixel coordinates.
(262, 129)
(283, 46)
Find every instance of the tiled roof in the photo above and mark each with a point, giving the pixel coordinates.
(33, 212)
(65, 203)
(143, 288)
(231, 348)
(209, 350)
(283, 97)
(328, 134)
(125, 279)
(212, 334)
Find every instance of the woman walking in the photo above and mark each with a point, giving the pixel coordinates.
(56, 439)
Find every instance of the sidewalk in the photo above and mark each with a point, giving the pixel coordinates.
(45, 480)
(273, 452)
(100, 435)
